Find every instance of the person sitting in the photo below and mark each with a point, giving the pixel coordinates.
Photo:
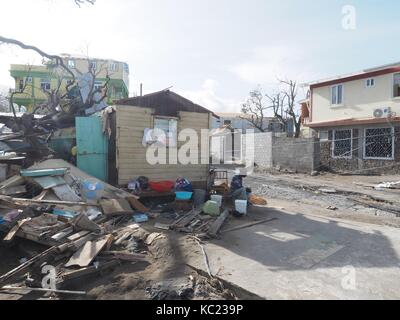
(238, 191)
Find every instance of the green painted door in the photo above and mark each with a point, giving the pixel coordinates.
(92, 147)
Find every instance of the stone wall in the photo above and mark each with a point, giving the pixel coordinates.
(357, 164)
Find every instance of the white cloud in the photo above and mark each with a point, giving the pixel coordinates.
(207, 97)
(267, 64)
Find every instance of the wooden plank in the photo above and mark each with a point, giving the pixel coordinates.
(187, 219)
(216, 226)
(23, 268)
(137, 205)
(12, 191)
(85, 256)
(116, 207)
(78, 235)
(12, 182)
(13, 232)
(9, 288)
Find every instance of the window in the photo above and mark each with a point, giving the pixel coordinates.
(98, 85)
(324, 135)
(45, 84)
(93, 65)
(29, 79)
(71, 64)
(369, 83)
(170, 129)
(113, 67)
(337, 95)
(227, 122)
(342, 143)
(396, 85)
(21, 85)
(379, 144)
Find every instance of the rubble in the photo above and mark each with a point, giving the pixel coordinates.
(44, 204)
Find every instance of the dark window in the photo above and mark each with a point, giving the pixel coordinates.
(342, 143)
(379, 143)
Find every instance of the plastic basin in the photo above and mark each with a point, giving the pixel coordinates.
(182, 195)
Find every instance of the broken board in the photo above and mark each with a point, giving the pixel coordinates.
(85, 255)
(116, 207)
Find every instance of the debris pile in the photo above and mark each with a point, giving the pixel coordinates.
(89, 226)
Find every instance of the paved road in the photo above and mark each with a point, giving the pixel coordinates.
(308, 257)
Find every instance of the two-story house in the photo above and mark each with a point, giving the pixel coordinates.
(35, 80)
(357, 118)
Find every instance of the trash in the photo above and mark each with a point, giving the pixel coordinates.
(12, 215)
(82, 222)
(387, 185)
(327, 190)
(183, 184)
(333, 208)
(93, 213)
(162, 226)
(49, 182)
(138, 185)
(92, 190)
(66, 214)
(139, 218)
(84, 256)
(43, 172)
(153, 237)
(258, 201)
(212, 208)
(116, 207)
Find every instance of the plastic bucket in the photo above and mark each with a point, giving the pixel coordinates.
(241, 206)
(217, 199)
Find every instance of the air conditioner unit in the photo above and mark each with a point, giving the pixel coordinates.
(382, 113)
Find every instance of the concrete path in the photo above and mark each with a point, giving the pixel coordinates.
(308, 257)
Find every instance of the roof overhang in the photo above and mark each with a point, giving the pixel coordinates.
(352, 122)
(372, 72)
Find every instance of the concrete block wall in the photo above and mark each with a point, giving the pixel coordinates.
(300, 154)
(262, 149)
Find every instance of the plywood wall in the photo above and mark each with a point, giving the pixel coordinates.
(131, 154)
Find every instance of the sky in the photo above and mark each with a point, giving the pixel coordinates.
(213, 52)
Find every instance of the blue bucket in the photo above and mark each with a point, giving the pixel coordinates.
(183, 195)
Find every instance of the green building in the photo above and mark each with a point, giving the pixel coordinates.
(35, 80)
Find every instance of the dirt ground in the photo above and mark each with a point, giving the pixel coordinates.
(348, 197)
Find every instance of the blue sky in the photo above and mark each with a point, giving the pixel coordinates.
(212, 51)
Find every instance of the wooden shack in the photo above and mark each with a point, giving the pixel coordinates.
(127, 154)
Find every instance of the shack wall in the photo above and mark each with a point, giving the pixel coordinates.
(131, 154)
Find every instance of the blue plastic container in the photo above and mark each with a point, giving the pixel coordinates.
(183, 195)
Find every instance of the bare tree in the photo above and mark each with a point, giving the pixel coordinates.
(255, 108)
(282, 102)
(288, 92)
